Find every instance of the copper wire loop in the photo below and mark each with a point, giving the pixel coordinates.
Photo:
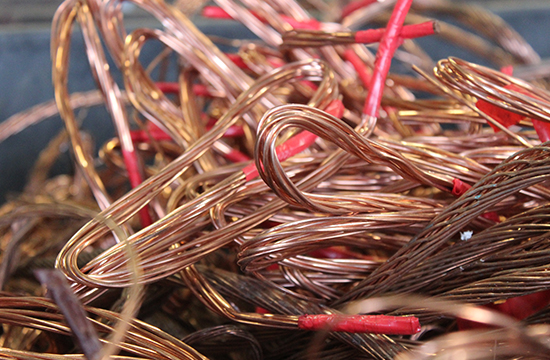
(290, 176)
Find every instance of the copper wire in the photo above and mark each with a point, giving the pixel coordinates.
(350, 193)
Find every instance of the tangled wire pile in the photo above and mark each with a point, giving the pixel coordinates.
(290, 199)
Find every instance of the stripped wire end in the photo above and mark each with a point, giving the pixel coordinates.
(314, 38)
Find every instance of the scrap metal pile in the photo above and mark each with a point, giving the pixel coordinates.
(289, 198)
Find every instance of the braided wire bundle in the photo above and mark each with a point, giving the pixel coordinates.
(255, 187)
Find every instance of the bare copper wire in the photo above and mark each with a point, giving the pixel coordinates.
(373, 192)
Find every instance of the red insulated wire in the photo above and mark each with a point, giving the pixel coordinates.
(373, 324)
(159, 135)
(261, 310)
(214, 12)
(386, 49)
(375, 35)
(174, 88)
(508, 70)
(297, 143)
(233, 131)
(355, 5)
(236, 156)
(142, 136)
(519, 307)
(201, 90)
(541, 127)
(407, 32)
(311, 24)
(275, 62)
(543, 130)
(237, 60)
(291, 147)
(508, 118)
(502, 116)
(459, 187)
(493, 216)
(168, 87)
(362, 70)
(131, 162)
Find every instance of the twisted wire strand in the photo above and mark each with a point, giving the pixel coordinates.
(141, 340)
(67, 257)
(525, 168)
(489, 85)
(366, 210)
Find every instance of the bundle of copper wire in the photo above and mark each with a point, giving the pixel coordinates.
(291, 199)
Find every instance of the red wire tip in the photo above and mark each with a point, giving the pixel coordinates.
(373, 324)
(459, 187)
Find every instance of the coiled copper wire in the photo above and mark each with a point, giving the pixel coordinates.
(369, 209)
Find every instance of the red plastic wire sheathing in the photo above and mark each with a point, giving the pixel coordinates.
(354, 6)
(407, 32)
(232, 131)
(388, 44)
(236, 156)
(134, 176)
(237, 60)
(508, 118)
(374, 35)
(508, 70)
(311, 24)
(459, 187)
(362, 70)
(142, 136)
(159, 135)
(373, 324)
(215, 12)
(174, 88)
(297, 143)
(518, 307)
